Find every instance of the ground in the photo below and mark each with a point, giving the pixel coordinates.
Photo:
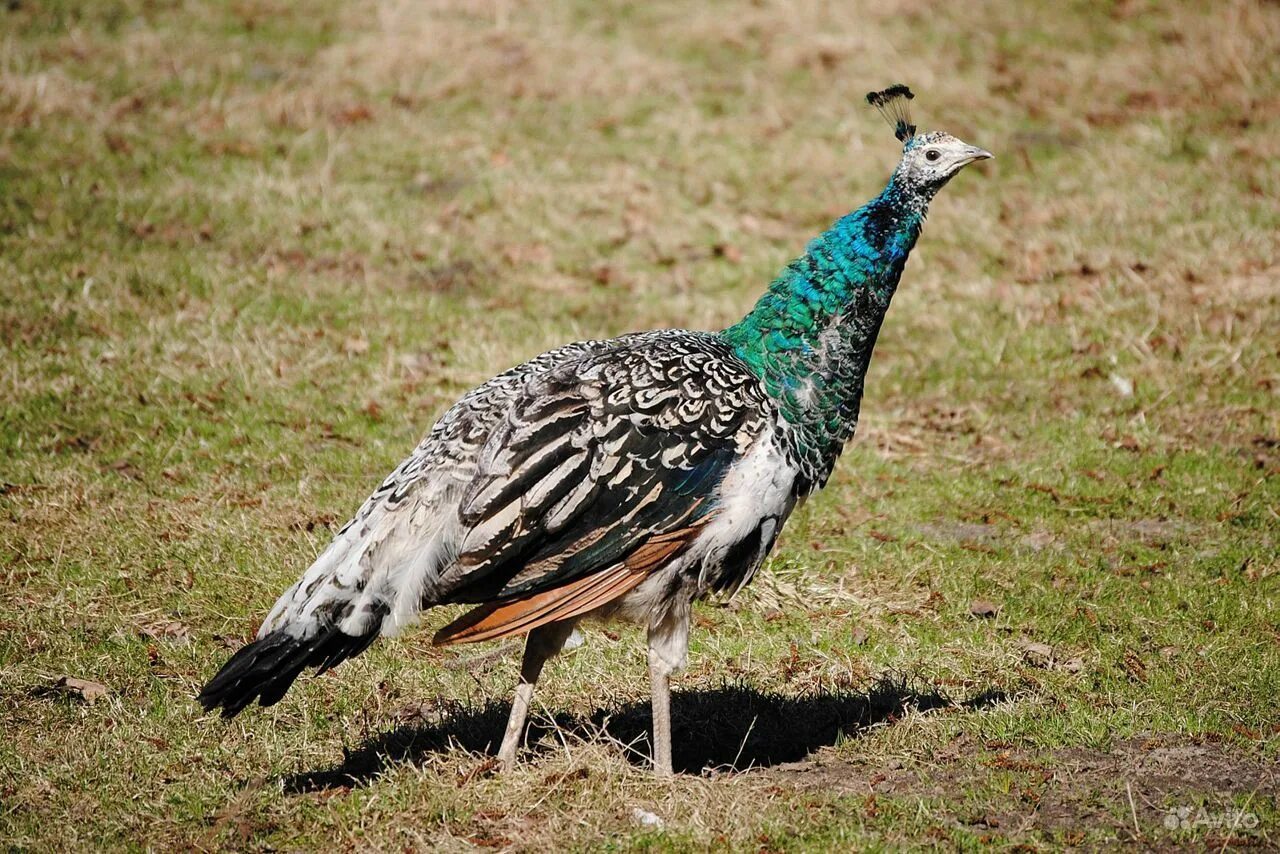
(249, 250)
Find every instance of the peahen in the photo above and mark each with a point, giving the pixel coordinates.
(618, 479)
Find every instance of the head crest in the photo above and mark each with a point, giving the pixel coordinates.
(892, 104)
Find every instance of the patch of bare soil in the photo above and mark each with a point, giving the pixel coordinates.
(1161, 790)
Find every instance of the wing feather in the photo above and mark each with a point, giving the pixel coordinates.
(563, 468)
(651, 438)
(568, 600)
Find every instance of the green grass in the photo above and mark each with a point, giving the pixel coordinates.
(249, 251)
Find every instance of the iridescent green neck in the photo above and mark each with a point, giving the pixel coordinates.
(810, 336)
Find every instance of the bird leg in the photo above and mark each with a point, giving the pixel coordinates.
(542, 643)
(660, 687)
(668, 652)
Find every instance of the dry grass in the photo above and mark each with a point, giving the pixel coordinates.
(249, 250)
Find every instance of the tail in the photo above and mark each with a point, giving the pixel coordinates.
(264, 669)
(370, 581)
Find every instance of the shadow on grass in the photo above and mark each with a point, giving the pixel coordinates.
(731, 728)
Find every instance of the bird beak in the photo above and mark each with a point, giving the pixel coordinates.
(972, 153)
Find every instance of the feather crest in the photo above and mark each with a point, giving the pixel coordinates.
(893, 104)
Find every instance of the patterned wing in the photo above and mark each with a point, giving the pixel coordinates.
(602, 470)
(386, 558)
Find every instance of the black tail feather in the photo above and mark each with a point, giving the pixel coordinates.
(264, 669)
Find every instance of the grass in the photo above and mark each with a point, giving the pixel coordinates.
(249, 250)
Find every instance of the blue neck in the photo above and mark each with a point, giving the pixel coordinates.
(810, 336)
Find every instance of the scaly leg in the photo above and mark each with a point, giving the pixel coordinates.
(668, 652)
(542, 643)
(660, 687)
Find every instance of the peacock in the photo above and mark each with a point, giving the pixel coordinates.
(618, 479)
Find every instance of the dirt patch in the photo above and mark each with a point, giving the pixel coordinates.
(949, 532)
(1158, 788)
(1151, 532)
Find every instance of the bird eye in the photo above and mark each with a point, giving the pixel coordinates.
(932, 154)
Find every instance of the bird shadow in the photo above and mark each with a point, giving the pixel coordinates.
(729, 728)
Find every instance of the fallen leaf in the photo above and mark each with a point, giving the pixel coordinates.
(1134, 666)
(982, 609)
(581, 773)
(165, 630)
(355, 346)
(1037, 654)
(124, 468)
(859, 636)
(484, 769)
(83, 689)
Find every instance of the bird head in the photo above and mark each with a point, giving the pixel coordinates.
(929, 160)
(933, 159)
